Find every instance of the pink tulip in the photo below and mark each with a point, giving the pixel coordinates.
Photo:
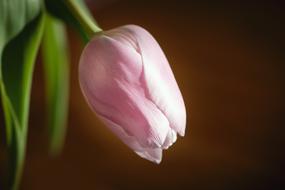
(128, 83)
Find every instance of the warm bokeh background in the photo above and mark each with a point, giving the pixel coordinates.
(228, 60)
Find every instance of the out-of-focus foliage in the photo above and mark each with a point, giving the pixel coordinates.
(20, 36)
(22, 27)
(56, 69)
(17, 68)
(14, 15)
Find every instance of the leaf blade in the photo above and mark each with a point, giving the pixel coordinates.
(17, 72)
(56, 69)
(12, 21)
(14, 18)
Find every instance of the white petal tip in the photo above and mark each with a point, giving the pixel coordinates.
(153, 155)
(181, 132)
(170, 139)
(157, 161)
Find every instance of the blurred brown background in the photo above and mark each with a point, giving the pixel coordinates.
(228, 59)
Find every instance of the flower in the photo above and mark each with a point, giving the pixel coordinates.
(127, 81)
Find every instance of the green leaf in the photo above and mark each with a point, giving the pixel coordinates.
(56, 68)
(14, 15)
(18, 61)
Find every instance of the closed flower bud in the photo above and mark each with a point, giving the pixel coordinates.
(127, 81)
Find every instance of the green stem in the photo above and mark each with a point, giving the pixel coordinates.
(85, 20)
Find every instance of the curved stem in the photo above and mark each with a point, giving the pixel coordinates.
(88, 24)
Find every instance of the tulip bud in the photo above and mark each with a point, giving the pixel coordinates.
(127, 81)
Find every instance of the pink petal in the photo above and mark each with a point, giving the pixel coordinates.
(151, 154)
(113, 89)
(161, 85)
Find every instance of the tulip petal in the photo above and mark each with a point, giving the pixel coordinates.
(154, 155)
(158, 77)
(114, 89)
(151, 154)
(127, 81)
(170, 139)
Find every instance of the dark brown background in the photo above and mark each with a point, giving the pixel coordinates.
(228, 59)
